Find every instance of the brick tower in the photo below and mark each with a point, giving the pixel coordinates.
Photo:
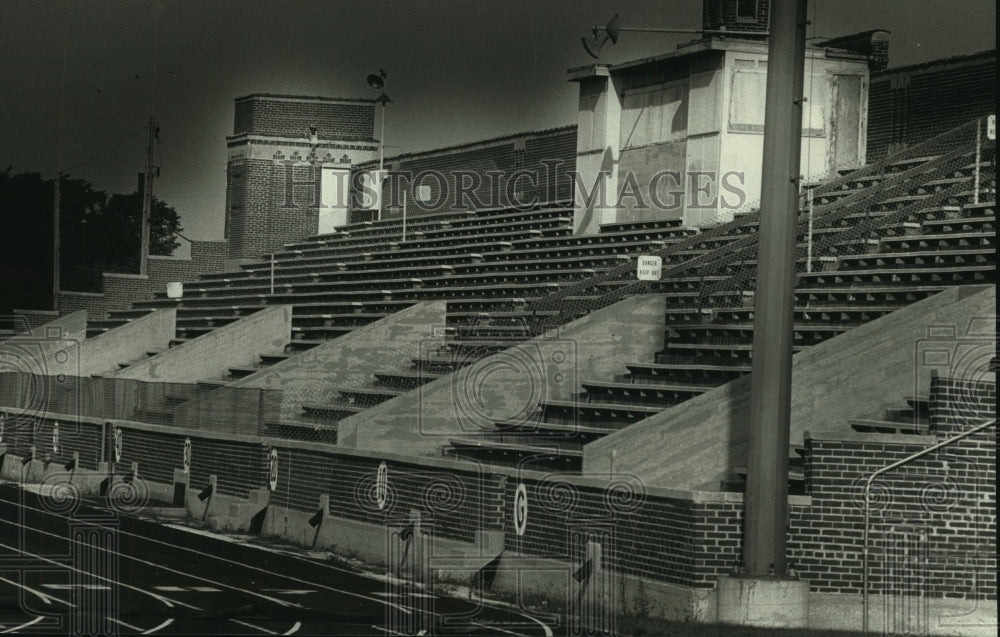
(288, 167)
(736, 15)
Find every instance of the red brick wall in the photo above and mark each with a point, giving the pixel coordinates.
(721, 14)
(911, 104)
(292, 117)
(263, 213)
(941, 508)
(95, 304)
(509, 155)
(933, 525)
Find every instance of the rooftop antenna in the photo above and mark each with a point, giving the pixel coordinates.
(610, 31)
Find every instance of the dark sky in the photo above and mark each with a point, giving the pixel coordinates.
(458, 70)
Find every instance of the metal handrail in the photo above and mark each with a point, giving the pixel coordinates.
(867, 496)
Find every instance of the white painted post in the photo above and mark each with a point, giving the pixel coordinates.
(404, 215)
(975, 195)
(809, 239)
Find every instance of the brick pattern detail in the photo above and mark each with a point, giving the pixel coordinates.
(265, 209)
(95, 304)
(933, 521)
(455, 504)
(120, 290)
(292, 117)
(906, 107)
(722, 14)
(527, 153)
(933, 525)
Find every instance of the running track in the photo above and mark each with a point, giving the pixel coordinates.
(67, 569)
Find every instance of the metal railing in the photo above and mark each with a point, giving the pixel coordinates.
(867, 498)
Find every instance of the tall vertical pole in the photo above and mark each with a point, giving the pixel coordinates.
(979, 146)
(147, 202)
(809, 241)
(57, 192)
(404, 214)
(766, 500)
(56, 239)
(381, 162)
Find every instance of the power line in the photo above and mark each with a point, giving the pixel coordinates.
(108, 149)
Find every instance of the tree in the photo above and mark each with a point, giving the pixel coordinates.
(99, 233)
(107, 238)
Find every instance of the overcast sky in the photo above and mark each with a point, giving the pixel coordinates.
(458, 70)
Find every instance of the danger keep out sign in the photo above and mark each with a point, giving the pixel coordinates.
(649, 268)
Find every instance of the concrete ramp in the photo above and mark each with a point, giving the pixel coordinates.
(855, 375)
(511, 383)
(212, 354)
(314, 376)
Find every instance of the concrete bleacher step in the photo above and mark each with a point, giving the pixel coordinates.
(516, 454)
(238, 372)
(212, 383)
(368, 396)
(652, 394)
(273, 359)
(546, 430)
(329, 411)
(887, 427)
(575, 411)
(303, 430)
(737, 481)
(406, 379)
(302, 345)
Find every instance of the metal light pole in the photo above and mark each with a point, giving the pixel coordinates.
(766, 499)
(147, 201)
(377, 81)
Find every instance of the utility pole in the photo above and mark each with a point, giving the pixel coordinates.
(56, 239)
(147, 201)
(766, 499)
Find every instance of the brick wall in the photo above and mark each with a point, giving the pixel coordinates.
(95, 304)
(291, 116)
(264, 211)
(933, 522)
(120, 290)
(933, 525)
(722, 14)
(546, 156)
(908, 105)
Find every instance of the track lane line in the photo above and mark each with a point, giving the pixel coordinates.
(384, 602)
(39, 594)
(23, 626)
(160, 627)
(164, 600)
(294, 629)
(121, 555)
(547, 630)
(249, 625)
(125, 624)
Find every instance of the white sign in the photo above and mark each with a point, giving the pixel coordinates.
(991, 127)
(119, 439)
(649, 268)
(187, 455)
(520, 508)
(272, 469)
(381, 485)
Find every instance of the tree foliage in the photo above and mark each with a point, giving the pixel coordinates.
(98, 233)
